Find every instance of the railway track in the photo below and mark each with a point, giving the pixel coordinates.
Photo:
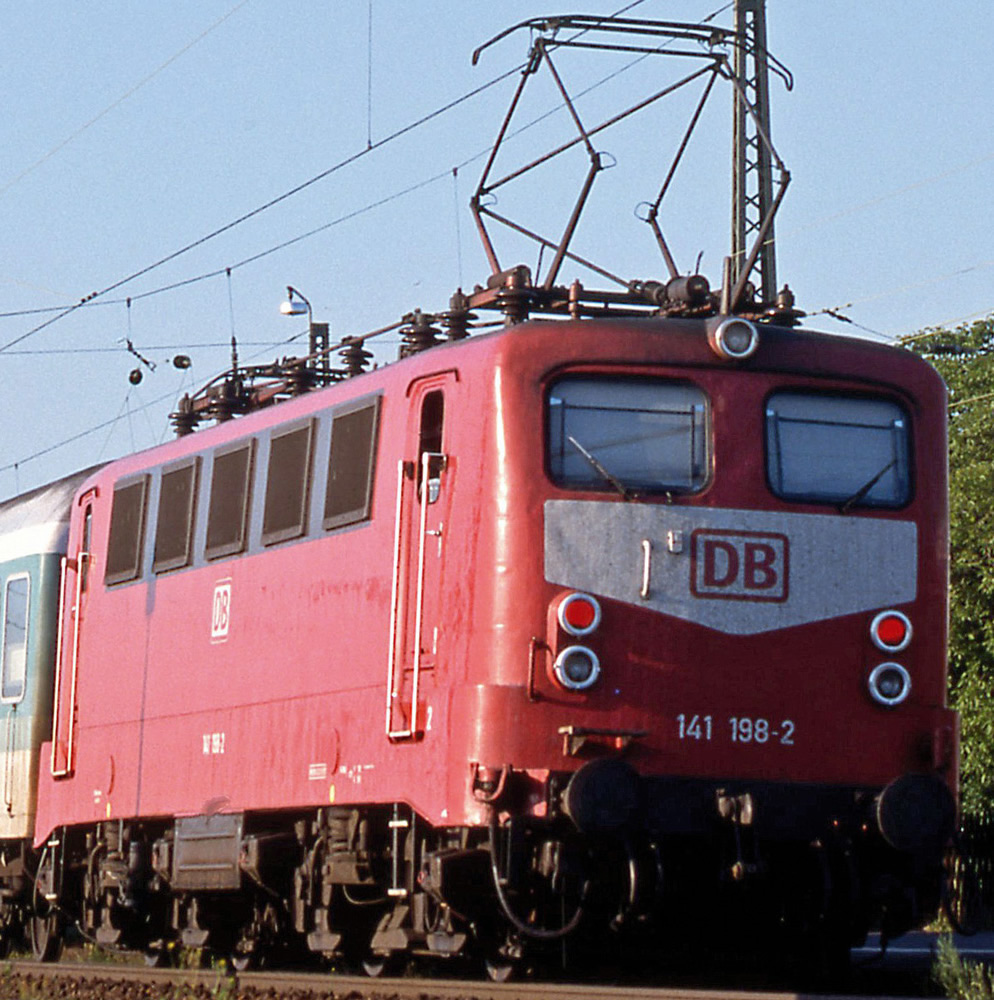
(87, 980)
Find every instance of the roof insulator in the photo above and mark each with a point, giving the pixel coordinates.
(356, 358)
(458, 318)
(184, 419)
(418, 334)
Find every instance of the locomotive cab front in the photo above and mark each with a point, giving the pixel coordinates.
(733, 566)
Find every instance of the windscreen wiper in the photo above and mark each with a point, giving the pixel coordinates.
(845, 507)
(599, 469)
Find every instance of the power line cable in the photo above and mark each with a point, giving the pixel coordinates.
(130, 93)
(48, 351)
(350, 215)
(78, 436)
(887, 195)
(279, 199)
(265, 346)
(834, 311)
(341, 164)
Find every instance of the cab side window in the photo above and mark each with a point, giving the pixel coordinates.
(430, 443)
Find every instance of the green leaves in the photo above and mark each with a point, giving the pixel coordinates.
(965, 359)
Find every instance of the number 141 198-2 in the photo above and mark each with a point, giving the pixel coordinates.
(741, 729)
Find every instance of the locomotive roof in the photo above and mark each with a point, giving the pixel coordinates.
(541, 342)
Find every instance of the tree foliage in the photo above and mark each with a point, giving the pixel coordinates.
(965, 359)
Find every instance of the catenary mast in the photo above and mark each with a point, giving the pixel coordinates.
(752, 179)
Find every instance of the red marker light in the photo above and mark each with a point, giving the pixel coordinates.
(579, 614)
(891, 631)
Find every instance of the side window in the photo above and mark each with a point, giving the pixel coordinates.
(628, 434)
(127, 528)
(13, 671)
(846, 450)
(174, 523)
(432, 419)
(430, 442)
(287, 479)
(227, 515)
(351, 464)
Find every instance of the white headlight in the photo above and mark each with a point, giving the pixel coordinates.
(734, 339)
(889, 684)
(577, 667)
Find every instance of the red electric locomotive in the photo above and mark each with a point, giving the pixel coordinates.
(572, 626)
(624, 622)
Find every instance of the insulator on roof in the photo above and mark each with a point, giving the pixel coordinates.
(356, 358)
(184, 419)
(226, 400)
(418, 334)
(300, 378)
(458, 318)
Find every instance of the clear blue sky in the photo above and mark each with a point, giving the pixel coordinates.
(130, 131)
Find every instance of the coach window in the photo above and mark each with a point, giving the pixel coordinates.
(227, 513)
(621, 434)
(845, 450)
(174, 523)
(351, 464)
(15, 639)
(127, 527)
(287, 478)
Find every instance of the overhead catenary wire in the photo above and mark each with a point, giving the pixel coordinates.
(98, 298)
(103, 299)
(124, 97)
(259, 210)
(835, 311)
(79, 435)
(91, 299)
(341, 164)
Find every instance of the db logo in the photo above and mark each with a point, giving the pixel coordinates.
(221, 611)
(739, 565)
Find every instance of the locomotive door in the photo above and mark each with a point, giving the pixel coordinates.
(419, 537)
(76, 571)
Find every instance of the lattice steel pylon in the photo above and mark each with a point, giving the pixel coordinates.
(753, 203)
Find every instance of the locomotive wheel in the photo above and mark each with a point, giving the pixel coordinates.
(374, 965)
(46, 922)
(502, 955)
(46, 936)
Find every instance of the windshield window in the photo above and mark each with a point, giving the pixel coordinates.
(838, 449)
(627, 434)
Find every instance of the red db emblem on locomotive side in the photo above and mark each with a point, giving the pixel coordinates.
(739, 565)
